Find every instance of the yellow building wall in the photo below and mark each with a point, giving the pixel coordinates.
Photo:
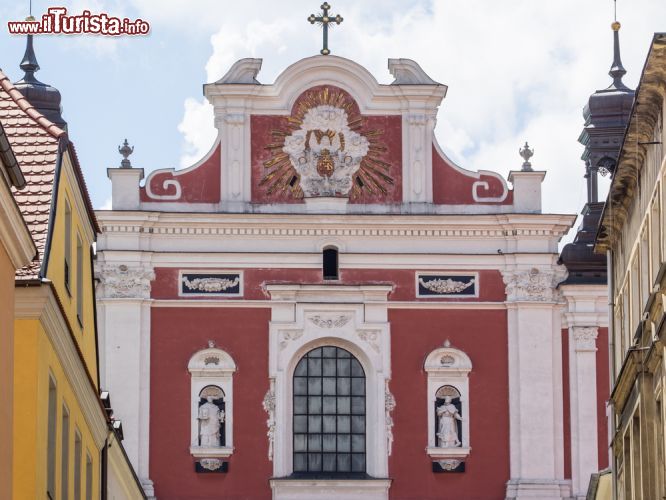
(6, 369)
(84, 331)
(38, 361)
(35, 360)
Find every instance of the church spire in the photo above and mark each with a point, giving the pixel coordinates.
(43, 97)
(617, 71)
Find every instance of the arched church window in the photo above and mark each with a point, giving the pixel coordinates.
(211, 371)
(330, 263)
(211, 416)
(329, 426)
(448, 371)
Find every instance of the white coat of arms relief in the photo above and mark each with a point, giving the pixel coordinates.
(324, 150)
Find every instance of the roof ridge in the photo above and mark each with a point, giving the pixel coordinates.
(28, 108)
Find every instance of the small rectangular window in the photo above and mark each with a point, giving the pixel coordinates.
(51, 441)
(330, 263)
(79, 280)
(77, 465)
(64, 457)
(68, 245)
(89, 477)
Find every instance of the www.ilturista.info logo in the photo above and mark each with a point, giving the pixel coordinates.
(56, 21)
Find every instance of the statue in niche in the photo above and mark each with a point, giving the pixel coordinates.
(211, 418)
(447, 427)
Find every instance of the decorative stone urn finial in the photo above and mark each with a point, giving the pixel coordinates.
(125, 150)
(526, 153)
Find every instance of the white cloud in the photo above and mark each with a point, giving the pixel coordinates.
(106, 205)
(197, 129)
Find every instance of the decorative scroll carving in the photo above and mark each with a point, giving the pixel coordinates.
(166, 184)
(125, 282)
(445, 286)
(287, 336)
(534, 285)
(210, 463)
(585, 337)
(371, 337)
(447, 360)
(408, 72)
(333, 322)
(212, 360)
(269, 407)
(242, 71)
(210, 284)
(449, 465)
(389, 406)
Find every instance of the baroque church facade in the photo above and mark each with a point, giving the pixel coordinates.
(327, 306)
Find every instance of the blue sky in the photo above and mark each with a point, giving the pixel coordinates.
(517, 70)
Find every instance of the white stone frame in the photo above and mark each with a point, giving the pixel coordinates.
(418, 274)
(455, 374)
(217, 295)
(354, 318)
(202, 375)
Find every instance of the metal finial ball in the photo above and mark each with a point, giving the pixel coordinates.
(616, 26)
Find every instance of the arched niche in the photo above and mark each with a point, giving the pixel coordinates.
(448, 371)
(211, 373)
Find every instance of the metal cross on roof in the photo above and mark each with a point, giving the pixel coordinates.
(324, 19)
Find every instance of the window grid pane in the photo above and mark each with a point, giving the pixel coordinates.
(329, 413)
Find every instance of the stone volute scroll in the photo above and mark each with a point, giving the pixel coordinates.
(211, 372)
(448, 446)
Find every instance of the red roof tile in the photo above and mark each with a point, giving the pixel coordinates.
(35, 141)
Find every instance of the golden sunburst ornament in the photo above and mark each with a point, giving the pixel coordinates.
(324, 149)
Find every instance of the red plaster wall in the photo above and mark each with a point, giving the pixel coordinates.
(451, 187)
(200, 185)
(566, 404)
(391, 138)
(490, 282)
(483, 336)
(176, 334)
(603, 394)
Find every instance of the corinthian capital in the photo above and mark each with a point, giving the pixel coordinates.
(123, 281)
(584, 337)
(534, 285)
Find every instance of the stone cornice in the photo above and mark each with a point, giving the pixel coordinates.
(41, 304)
(647, 109)
(309, 225)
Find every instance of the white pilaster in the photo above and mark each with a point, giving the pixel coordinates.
(535, 383)
(586, 312)
(234, 131)
(583, 407)
(123, 303)
(417, 132)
